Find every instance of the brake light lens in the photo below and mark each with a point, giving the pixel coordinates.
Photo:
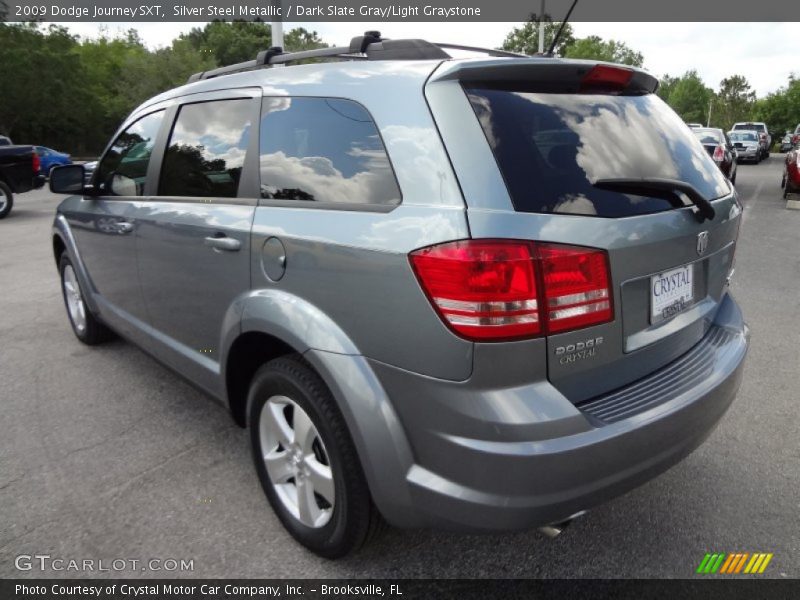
(483, 289)
(492, 290)
(576, 286)
(719, 154)
(37, 163)
(606, 78)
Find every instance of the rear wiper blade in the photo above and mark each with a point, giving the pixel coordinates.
(658, 187)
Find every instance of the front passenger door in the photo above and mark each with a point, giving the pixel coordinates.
(104, 224)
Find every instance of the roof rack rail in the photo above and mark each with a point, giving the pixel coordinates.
(487, 51)
(370, 46)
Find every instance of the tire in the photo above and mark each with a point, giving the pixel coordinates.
(6, 200)
(84, 324)
(339, 516)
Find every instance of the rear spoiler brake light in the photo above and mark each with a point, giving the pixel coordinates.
(552, 75)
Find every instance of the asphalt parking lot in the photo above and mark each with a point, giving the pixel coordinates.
(106, 454)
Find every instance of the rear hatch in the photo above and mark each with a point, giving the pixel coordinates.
(584, 153)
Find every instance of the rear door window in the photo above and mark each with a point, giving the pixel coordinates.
(206, 150)
(323, 150)
(552, 148)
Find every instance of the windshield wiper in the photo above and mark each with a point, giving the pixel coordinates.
(658, 187)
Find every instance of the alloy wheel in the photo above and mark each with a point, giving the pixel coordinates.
(297, 462)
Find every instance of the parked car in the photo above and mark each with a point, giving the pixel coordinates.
(51, 158)
(747, 145)
(720, 149)
(796, 136)
(19, 172)
(4, 141)
(786, 142)
(350, 257)
(791, 172)
(765, 139)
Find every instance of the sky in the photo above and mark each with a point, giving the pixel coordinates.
(765, 53)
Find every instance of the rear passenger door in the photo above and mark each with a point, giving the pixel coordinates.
(193, 239)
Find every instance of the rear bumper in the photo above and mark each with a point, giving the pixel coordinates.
(506, 459)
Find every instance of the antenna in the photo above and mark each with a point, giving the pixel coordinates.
(560, 29)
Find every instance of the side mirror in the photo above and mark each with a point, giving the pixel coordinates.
(67, 179)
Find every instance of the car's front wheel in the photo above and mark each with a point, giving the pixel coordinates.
(306, 460)
(84, 324)
(6, 199)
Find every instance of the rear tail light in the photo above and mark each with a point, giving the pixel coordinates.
(37, 163)
(719, 154)
(577, 286)
(795, 139)
(606, 78)
(491, 290)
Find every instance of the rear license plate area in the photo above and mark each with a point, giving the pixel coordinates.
(671, 292)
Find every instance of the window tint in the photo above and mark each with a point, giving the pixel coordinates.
(206, 150)
(552, 148)
(751, 126)
(124, 167)
(325, 150)
(709, 136)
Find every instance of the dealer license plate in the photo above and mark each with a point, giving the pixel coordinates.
(671, 292)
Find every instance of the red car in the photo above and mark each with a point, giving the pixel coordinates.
(791, 172)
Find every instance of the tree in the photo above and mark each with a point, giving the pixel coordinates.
(780, 110)
(229, 43)
(734, 102)
(239, 41)
(665, 87)
(689, 97)
(525, 39)
(301, 39)
(595, 48)
(43, 97)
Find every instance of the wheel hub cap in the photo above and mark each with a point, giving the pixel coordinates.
(75, 304)
(297, 462)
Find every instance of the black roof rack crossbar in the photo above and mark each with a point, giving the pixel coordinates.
(370, 46)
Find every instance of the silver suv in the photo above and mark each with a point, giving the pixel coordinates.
(480, 294)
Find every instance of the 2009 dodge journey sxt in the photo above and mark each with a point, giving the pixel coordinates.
(480, 294)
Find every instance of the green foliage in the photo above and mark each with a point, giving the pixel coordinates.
(596, 48)
(238, 41)
(688, 96)
(665, 87)
(780, 110)
(525, 39)
(734, 102)
(72, 94)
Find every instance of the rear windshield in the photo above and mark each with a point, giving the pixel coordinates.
(750, 126)
(708, 136)
(743, 136)
(551, 148)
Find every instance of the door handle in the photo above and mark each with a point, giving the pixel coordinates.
(223, 242)
(124, 227)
